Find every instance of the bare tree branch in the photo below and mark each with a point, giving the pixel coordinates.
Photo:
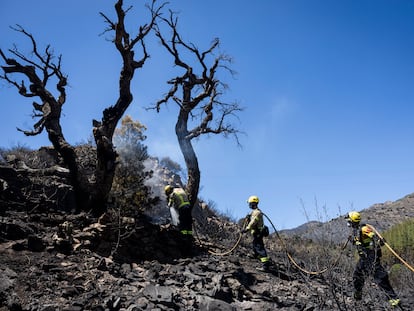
(103, 130)
(42, 67)
(50, 109)
(200, 95)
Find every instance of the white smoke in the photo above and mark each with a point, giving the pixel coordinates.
(161, 176)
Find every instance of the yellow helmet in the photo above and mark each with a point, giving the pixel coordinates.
(253, 199)
(168, 189)
(366, 230)
(354, 217)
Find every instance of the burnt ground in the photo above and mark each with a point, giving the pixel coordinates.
(55, 261)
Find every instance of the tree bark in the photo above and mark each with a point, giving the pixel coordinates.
(190, 157)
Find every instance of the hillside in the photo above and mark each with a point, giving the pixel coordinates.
(150, 269)
(382, 216)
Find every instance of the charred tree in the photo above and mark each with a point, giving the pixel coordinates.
(41, 70)
(103, 130)
(200, 96)
(38, 72)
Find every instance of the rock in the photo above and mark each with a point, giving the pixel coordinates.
(210, 304)
(35, 243)
(157, 293)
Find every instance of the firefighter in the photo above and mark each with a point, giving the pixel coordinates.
(255, 226)
(368, 245)
(178, 198)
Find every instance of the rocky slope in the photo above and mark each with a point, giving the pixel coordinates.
(54, 261)
(382, 216)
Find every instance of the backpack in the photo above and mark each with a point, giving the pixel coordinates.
(265, 231)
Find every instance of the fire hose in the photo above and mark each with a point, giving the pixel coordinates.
(293, 261)
(390, 248)
(231, 249)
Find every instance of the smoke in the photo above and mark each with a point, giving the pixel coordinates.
(133, 155)
(161, 176)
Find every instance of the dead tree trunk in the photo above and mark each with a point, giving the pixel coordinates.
(200, 94)
(103, 131)
(50, 109)
(190, 157)
(89, 195)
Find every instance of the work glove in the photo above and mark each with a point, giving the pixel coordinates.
(362, 254)
(360, 249)
(356, 241)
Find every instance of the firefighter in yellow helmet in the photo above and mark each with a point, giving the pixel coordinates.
(256, 226)
(178, 198)
(368, 245)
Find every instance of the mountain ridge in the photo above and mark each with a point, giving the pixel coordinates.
(380, 215)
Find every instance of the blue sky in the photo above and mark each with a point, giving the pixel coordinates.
(327, 88)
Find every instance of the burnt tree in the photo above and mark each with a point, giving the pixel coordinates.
(199, 100)
(43, 68)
